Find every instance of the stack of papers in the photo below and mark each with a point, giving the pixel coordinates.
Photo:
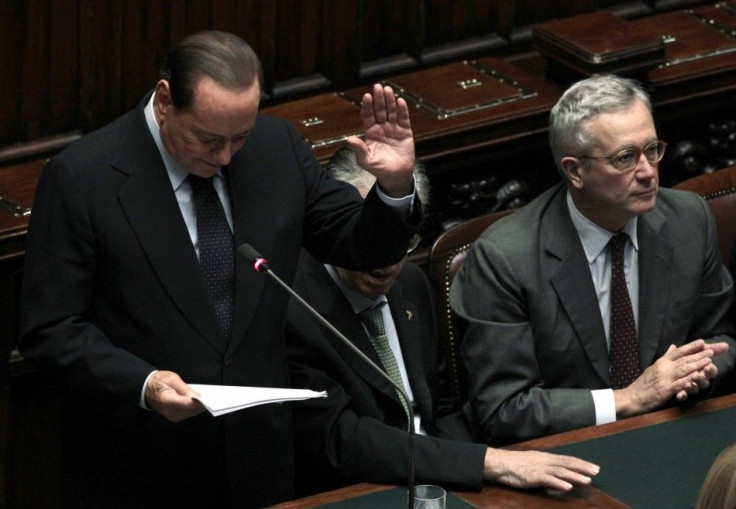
(222, 399)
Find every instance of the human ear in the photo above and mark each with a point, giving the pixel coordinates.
(572, 169)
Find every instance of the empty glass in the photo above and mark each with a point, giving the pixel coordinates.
(427, 496)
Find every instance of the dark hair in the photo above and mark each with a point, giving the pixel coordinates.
(225, 58)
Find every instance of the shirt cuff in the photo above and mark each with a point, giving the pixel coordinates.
(401, 206)
(142, 402)
(605, 406)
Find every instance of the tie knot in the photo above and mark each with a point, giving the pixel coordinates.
(200, 183)
(618, 242)
(373, 319)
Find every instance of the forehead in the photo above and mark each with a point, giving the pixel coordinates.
(221, 111)
(632, 126)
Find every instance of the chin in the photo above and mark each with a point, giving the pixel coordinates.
(643, 208)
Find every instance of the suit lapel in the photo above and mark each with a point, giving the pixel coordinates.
(150, 205)
(329, 301)
(655, 261)
(573, 284)
(406, 318)
(248, 199)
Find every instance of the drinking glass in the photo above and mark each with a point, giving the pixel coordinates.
(428, 496)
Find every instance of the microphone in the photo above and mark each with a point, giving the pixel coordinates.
(261, 265)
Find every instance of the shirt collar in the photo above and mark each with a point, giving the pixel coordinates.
(593, 237)
(358, 301)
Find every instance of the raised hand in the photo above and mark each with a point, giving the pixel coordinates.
(387, 150)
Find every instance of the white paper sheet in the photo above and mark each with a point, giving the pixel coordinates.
(222, 399)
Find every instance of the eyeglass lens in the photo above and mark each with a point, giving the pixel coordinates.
(627, 159)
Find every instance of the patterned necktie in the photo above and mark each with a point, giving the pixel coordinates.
(373, 320)
(624, 352)
(216, 249)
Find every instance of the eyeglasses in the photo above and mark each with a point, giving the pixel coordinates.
(628, 158)
(415, 240)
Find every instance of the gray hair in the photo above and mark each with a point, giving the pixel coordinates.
(582, 103)
(344, 166)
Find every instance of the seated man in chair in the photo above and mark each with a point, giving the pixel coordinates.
(603, 298)
(358, 433)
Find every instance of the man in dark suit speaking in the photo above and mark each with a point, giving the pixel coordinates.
(132, 288)
(358, 433)
(603, 298)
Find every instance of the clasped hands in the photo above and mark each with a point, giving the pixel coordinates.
(680, 372)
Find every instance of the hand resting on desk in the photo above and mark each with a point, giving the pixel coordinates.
(534, 469)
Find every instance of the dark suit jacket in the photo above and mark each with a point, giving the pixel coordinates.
(112, 290)
(357, 432)
(535, 344)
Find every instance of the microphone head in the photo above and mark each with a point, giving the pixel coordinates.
(249, 253)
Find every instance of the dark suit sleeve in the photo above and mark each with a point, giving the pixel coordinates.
(355, 433)
(732, 273)
(339, 227)
(339, 443)
(711, 318)
(59, 280)
(508, 395)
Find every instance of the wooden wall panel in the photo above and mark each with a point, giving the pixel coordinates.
(298, 34)
(75, 65)
(144, 44)
(10, 71)
(198, 15)
(342, 42)
(34, 76)
(63, 68)
(452, 21)
(100, 72)
(391, 28)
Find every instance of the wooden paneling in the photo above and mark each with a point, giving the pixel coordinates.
(100, 43)
(449, 22)
(75, 65)
(60, 83)
(10, 67)
(298, 33)
(145, 39)
(341, 42)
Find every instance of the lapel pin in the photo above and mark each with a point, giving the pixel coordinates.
(409, 314)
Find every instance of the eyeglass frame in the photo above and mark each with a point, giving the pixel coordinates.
(612, 158)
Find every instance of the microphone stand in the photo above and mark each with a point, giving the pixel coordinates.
(260, 265)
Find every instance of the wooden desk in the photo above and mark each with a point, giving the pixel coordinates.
(498, 497)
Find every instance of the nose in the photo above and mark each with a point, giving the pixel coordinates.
(223, 152)
(644, 169)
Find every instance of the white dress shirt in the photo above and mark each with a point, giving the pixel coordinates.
(359, 303)
(595, 240)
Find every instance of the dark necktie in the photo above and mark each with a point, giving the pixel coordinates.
(216, 250)
(373, 320)
(624, 351)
